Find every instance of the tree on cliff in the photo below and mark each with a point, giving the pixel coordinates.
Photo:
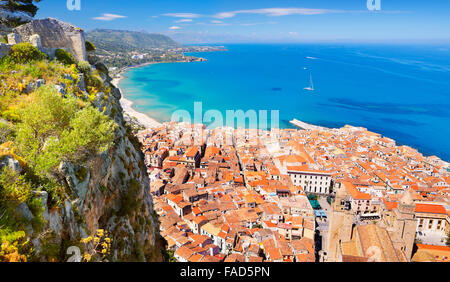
(16, 12)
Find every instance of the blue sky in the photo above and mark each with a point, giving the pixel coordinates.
(224, 21)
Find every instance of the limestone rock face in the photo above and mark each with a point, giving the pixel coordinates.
(11, 163)
(109, 191)
(54, 34)
(4, 49)
(14, 38)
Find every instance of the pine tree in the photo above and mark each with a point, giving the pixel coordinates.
(16, 12)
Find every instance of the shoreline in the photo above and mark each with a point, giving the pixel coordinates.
(150, 123)
(127, 105)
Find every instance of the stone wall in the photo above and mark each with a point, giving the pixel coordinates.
(55, 34)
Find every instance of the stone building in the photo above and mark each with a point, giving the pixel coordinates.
(341, 220)
(312, 181)
(384, 241)
(403, 229)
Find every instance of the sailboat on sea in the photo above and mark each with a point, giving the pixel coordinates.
(311, 85)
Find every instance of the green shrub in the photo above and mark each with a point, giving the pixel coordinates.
(6, 132)
(11, 115)
(15, 246)
(90, 47)
(25, 52)
(36, 207)
(55, 129)
(33, 71)
(94, 81)
(64, 57)
(84, 67)
(14, 188)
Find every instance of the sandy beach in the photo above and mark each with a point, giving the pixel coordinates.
(126, 104)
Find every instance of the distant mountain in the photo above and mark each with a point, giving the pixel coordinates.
(125, 41)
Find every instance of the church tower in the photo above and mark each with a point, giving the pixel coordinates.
(404, 225)
(340, 224)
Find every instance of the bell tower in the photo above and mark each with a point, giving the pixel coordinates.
(340, 224)
(404, 225)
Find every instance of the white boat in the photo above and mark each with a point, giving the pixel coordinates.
(311, 85)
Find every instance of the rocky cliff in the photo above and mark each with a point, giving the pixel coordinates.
(55, 34)
(109, 191)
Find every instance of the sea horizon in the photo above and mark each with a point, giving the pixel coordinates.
(385, 96)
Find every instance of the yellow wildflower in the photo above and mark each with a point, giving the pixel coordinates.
(100, 233)
(86, 240)
(87, 257)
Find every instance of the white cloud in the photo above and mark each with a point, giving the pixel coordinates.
(276, 12)
(257, 23)
(225, 15)
(174, 27)
(184, 21)
(216, 22)
(109, 17)
(272, 12)
(183, 15)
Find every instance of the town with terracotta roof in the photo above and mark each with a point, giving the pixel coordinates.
(295, 195)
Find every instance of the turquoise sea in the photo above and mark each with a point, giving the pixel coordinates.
(400, 91)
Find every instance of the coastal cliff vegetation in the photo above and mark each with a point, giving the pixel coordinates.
(62, 135)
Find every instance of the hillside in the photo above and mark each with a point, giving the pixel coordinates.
(126, 41)
(72, 174)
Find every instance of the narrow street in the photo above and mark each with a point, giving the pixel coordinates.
(322, 224)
